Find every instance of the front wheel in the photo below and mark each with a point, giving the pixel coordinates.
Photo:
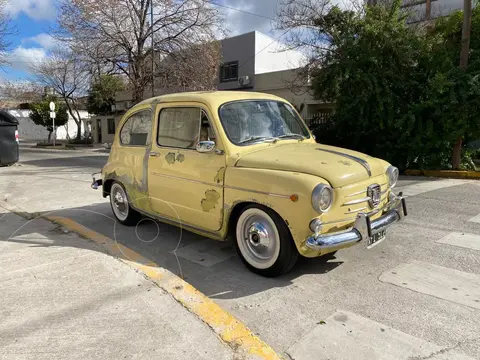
(121, 206)
(264, 242)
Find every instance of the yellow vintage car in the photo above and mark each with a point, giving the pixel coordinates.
(244, 165)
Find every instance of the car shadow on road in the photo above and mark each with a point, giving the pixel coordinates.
(213, 267)
(79, 162)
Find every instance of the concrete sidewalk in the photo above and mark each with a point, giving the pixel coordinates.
(62, 297)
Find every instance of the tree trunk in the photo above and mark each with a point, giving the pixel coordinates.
(49, 137)
(467, 24)
(77, 121)
(457, 154)
(137, 93)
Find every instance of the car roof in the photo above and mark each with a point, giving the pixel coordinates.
(215, 98)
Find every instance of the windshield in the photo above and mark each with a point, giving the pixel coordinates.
(248, 122)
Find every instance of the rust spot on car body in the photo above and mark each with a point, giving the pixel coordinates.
(180, 157)
(170, 157)
(220, 175)
(211, 199)
(345, 162)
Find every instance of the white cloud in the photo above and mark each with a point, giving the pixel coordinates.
(44, 40)
(239, 22)
(22, 58)
(35, 9)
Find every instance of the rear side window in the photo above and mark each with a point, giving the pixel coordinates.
(137, 129)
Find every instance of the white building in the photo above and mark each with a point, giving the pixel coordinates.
(28, 131)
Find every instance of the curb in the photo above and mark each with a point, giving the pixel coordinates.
(455, 174)
(227, 327)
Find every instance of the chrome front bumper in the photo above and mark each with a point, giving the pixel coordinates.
(363, 228)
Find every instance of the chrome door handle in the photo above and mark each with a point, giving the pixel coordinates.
(154, 154)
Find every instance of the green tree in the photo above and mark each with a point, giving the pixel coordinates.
(374, 69)
(40, 114)
(398, 91)
(101, 96)
(456, 99)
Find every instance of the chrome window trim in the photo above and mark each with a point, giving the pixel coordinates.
(257, 192)
(186, 179)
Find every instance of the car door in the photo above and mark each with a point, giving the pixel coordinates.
(185, 185)
(134, 139)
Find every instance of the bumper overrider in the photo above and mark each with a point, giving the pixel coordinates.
(363, 228)
(96, 182)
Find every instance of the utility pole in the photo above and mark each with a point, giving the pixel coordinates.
(464, 52)
(467, 24)
(153, 50)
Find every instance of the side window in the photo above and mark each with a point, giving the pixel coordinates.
(137, 129)
(179, 127)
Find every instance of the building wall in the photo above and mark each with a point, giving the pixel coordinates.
(279, 83)
(419, 12)
(106, 137)
(271, 55)
(239, 48)
(29, 131)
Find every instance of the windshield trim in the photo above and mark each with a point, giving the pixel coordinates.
(297, 117)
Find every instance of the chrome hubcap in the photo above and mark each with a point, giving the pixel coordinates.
(259, 238)
(120, 202)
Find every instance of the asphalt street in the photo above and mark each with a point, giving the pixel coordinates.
(415, 296)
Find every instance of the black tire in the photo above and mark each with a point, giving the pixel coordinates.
(283, 259)
(130, 216)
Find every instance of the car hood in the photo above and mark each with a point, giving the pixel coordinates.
(338, 166)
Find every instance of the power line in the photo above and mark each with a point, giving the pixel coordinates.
(240, 10)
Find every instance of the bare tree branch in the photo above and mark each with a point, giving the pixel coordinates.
(68, 75)
(114, 33)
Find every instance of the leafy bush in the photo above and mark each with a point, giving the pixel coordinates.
(398, 91)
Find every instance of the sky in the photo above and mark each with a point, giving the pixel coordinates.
(35, 19)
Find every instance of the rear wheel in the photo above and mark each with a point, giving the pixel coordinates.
(264, 242)
(121, 206)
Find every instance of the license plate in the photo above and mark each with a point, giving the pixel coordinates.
(376, 239)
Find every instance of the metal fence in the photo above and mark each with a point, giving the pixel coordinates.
(319, 118)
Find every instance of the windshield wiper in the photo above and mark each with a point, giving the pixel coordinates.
(258, 138)
(294, 136)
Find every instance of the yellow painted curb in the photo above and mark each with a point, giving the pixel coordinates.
(457, 174)
(226, 326)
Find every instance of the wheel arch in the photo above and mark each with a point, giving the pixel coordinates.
(237, 209)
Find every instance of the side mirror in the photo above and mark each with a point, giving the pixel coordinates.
(206, 146)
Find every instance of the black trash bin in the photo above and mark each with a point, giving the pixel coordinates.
(8, 139)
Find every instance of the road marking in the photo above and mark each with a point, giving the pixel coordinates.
(346, 335)
(475, 219)
(441, 282)
(226, 326)
(469, 241)
(206, 253)
(426, 186)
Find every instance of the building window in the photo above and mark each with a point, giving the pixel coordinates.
(111, 126)
(229, 71)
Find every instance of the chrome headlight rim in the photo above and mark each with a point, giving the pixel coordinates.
(392, 174)
(316, 194)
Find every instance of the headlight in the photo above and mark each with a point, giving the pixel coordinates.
(392, 174)
(322, 198)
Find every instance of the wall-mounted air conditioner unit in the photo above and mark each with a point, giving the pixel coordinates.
(244, 81)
